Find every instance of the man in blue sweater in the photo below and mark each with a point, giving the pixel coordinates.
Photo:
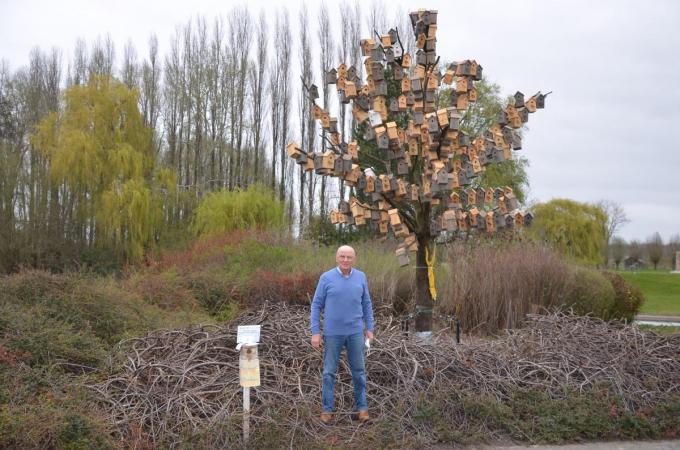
(342, 296)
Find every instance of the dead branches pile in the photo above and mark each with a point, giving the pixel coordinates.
(178, 381)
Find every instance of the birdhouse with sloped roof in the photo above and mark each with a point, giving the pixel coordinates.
(332, 76)
(294, 151)
(402, 188)
(519, 99)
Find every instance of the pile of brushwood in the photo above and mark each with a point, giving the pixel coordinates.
(174, 387)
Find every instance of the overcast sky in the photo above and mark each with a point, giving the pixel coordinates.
(610, 130)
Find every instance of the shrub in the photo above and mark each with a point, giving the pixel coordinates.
(590, 293)
(224, 211)
(493, 285)
(627, 298)
(294, 288)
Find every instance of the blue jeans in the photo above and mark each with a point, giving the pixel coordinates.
(333, 346)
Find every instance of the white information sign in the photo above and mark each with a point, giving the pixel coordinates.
(247, 334)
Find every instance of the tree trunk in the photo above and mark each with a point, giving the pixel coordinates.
(424, 303)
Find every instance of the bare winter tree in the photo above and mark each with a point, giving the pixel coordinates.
(103, 57)
(618, 250)
(258, 82)
(673, 249)
(150, 91)
(616, 218)
(307, 127)
(655, 248)
(130, 71)
(326, 59)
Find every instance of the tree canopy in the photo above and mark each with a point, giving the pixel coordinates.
(573, 228)
(100, 152)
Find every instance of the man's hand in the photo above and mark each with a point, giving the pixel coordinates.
(316, 340)
(369, 335)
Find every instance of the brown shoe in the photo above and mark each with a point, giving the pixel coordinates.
(363, 416)
(326, 418)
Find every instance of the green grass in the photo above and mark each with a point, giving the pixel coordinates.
(661, 290)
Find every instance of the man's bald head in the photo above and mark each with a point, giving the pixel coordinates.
(345, 257)
(345, 248)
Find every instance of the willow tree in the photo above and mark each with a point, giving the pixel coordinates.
(412, 165)
(101, 153)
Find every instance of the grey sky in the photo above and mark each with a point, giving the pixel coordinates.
(610, 129)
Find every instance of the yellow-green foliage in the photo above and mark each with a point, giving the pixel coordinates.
(100, 149)
(224, 211)
(575, 229)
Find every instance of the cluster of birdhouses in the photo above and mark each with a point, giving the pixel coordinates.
(424, 159)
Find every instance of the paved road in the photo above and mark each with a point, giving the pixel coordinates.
(630, 445)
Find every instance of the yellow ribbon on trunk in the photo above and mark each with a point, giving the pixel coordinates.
(430, 271)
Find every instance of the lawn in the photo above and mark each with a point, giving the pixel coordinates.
(661, 290)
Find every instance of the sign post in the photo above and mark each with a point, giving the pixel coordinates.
(247, 338)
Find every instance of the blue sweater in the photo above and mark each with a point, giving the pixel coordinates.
(344, 302)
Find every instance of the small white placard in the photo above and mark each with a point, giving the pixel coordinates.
(247, 334)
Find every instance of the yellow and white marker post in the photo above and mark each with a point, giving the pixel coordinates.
(248, 337)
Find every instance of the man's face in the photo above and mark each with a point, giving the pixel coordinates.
(345, 258)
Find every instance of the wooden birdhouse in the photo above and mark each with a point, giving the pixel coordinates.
(416, 84)
(519, 219)
(473, 215)
(350, 90)
(402, 188)
(405, 84)
(374, 119)
(394, 217)
(540, 100)
(488, 196)
(332, 76)
(361, 182)
(472, 95)
(490, 222)
(293, 150)
(462, 102)
(442, 117)
(463, 68)
(317, 111)
(385, 40)
(528, 219)
(402, 168)
(418, 118)
(392, 130)
(370, 184)
(338, 168)
(516, 142)
(394, 105)
(432, 124)
(353, 150)
(471, 197)
(366, 46)
(383, 141)
(481, 193)
(398, 73)
(419, 71)
(406, 61)
(462, 221)
(421, 58)
(325, 120)
(519, 99)
(478, 73)
(499, 220)
(347, 163)
(414, 192)
(334, 216)
(531, 104)
(384, 183)
(455, 200)
(448, 77)
(401, 103)
(359, 114)
(432, 83)
(328, 160)
(313, 92)
(309, 165)
(481, 222)
(461, 85)
(523, 114)
(402, 256)
(382, 226)
(420, 41)
(431, 44)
